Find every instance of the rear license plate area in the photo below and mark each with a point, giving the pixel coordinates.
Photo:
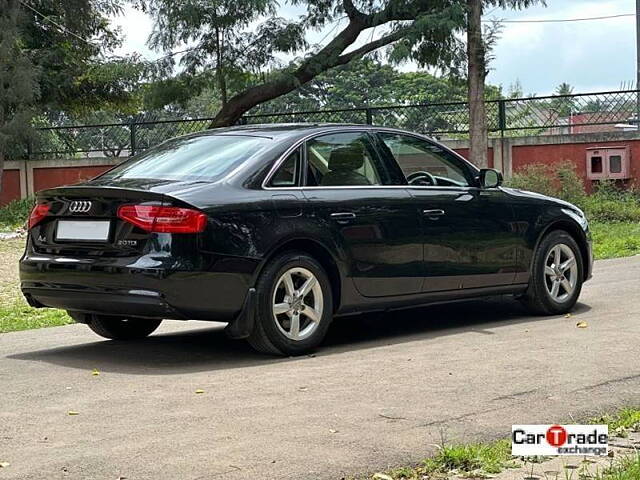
(83, 230)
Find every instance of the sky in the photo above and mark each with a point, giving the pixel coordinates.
(592, 56)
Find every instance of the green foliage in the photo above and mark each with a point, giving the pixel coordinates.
(615, 239)
(624, 420)
(563, 106)
(571, 187)
(18, 85)
(604, 209)
(369, 82)
(227, 40)
(607, 204)
(15, 214)
(111, 85)
(489, 458)
(535, 177)
(71, 76)
(626, 468)
(612, 204)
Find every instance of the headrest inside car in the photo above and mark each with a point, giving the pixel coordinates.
(347, 158)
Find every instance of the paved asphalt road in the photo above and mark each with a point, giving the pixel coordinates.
(381, 392)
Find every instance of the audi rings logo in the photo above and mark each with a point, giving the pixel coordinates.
(80, 206)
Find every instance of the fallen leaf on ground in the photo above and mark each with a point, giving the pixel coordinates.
(382, 476)
(582, 325)
(331, 430)
(4, 464)
(199, 391)
(95, 372)
(71, 412)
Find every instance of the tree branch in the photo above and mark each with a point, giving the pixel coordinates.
(394, 10)
(351, 10)
(371, 46)
(330, 56)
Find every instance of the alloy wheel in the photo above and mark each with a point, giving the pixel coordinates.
(561, 272)
(297, 303)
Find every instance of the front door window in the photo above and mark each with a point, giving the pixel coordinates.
(426, 164)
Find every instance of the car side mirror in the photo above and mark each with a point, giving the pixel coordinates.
(490, 178)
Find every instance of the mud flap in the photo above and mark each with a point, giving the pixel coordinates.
(242, 326)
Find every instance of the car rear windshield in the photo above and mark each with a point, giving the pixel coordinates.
(192, 158)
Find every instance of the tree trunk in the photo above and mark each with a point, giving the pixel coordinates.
(477, 72)
(1, 168)
(222, 83)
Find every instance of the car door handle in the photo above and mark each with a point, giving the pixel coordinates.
(433, 213)
(342, 217)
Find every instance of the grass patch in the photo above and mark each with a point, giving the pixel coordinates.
(21, 316)
(627, 468)
(488, 458)
(15, 314)
(622, 423)
(616, 239)
(476, 460)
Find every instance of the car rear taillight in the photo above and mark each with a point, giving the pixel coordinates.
(163, 219)
(38, 213)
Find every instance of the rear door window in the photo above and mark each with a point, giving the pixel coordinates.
(288, 173)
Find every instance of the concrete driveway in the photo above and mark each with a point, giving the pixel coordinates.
(380, 393)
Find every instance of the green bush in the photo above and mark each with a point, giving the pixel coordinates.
(15, 214)
(608, 203)
(535, 178)
(571, 187)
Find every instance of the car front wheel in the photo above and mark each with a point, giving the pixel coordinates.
(557, 275)
(294, 306)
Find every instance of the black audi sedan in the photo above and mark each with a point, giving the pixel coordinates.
(277, 229)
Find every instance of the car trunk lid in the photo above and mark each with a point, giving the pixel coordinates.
(84, 220)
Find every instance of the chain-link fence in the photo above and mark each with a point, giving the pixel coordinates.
(553, 115)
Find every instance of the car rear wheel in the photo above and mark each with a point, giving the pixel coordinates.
(557, 275)
(119, 328)
(294, 306)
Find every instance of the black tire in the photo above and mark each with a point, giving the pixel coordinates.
(538, 298)
(119, 328)
(266, 336)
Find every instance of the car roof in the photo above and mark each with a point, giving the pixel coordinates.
(281, 130)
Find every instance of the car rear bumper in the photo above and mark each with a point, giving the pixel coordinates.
(146, 304)
(124, 286)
